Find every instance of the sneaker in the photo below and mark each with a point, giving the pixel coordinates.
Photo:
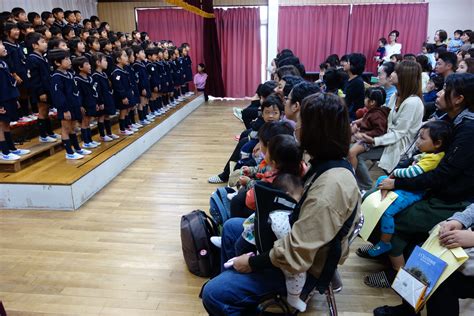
(216, 241)
(89, 145)
(215, 179)
(55, 136)
(133, 129)
(126, 132)
(145, 122)
(83, 152)
(47, 139)
(106, 138)
(74, 156)
(95, 143)
(20, 152)
(137, 125)
(10, 157)
(113, 136)
(237, 113)
(24, 119)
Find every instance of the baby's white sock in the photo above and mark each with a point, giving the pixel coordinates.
(295, 301)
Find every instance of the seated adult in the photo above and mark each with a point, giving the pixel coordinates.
(384, 73)
(354, 88)
(450, 185)
(440, 38)
(295, 98)
(445, 300)
(330, 201)
(404, 121)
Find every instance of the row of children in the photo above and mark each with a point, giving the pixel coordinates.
(85, 77)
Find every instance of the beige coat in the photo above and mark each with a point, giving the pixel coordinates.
(330, 202)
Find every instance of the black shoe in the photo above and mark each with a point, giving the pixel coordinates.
(399, 310)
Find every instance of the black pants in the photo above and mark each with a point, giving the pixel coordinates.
(235, 156)
(249, 114)
(445, 301)
(237, 205)
(206, 97)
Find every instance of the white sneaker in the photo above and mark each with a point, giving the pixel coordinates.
(95, 143)
(106, 138)
(89, 145)
(113, 136)
(137, 125)
(150, 118)
(83, 152)
(55, 136)
(74, 156)
(20, 152)
(47, 139)
(145, 122)
(10, 157)
(126, 132)
(133, 129)
(216, 241)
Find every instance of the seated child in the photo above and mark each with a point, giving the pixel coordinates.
(432, 140)
(373, 123)
(434, 85)
(455, 44)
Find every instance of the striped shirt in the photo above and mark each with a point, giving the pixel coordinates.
(423, 163)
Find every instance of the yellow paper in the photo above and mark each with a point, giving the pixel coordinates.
(373, 208)
(453, 257)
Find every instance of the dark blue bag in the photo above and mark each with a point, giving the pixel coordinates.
(220, 205)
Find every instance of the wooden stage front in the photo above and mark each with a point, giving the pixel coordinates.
(55, 183)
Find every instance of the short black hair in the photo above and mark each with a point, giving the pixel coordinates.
(286, 153)
(57, 55)
(443, 35)
(271, 129)
(430, 48)
(55, 30)
(78, 63)
(85, 21)
(333, 60)
(266, 88)
(449, 58)
(117, 54)
(41, 29)
(271, 101)
(57, 10)
(137, 49)
(32, 16)
(302, 90)
(357, 63)
(319, 114)
(460, 84)
(17, 11)
(103, 42)
(95, 57)
(68, 13)
(397, 33)
(23, 26)
(376, 94)
(332, 79)
(398, 57)
(66, 30)
(287, 70)
(424, 63)
(76, 12)
(458, 32)
(32, 38)
(290, 82)
(383, 40)
(288, 183)
(439, 131)
(150, 51)
(438, 81)
(388, 67)
(45, 15)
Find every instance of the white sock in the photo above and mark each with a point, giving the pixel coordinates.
(295, 301)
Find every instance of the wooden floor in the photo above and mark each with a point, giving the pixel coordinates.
(120, 254)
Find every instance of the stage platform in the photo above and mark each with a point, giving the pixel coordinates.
(55, 183)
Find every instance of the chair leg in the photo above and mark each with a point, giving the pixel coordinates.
(331, 301)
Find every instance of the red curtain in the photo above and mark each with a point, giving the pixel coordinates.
(370, 22)
(313, 32)
(238, 31)
(176, 25)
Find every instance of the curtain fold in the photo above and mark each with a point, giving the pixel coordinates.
(161, 24)
(313, 32)
(238, 32)
(370, 22)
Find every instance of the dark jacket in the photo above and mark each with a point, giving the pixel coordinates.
(354, 91)
(374, 122)
(453, 179)
(38, 73)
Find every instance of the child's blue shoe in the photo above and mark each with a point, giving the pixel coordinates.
(380, 248)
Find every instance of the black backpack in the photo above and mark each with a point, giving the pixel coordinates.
(200, 255)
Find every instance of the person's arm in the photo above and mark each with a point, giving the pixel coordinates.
(457, 160)
(378, 124)
(466, 217)
(410, 117)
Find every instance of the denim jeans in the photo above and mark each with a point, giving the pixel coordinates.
(234, 293)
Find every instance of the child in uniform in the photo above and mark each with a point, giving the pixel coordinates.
(143, 82)
(66, 99)
(38, 73)
(88, 91)
(8, 109)
(105, 97)
(133, 125)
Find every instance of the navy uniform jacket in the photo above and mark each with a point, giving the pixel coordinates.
(105, 92)
(38, 74)
(65, 95)
(61, 24)
(8, 94)
(110, 64)
(155, 80)
(122, 85)
(143, 78)
(188, 69)
(134, 81)
(16, 59)
(88, 91)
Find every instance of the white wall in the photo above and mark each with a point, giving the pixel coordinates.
(450, 15)
(87, 7)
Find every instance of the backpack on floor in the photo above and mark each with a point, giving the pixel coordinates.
(200, 255)
(220, 205)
